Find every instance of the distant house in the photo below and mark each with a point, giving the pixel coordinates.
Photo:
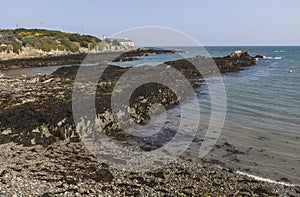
(124, 41)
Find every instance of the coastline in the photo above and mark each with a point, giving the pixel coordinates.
(55, 90)
(78, 58)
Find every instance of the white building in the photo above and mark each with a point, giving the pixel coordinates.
(124, 41)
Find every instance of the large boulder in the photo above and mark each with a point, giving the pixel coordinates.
(259, 56)
(240, 53)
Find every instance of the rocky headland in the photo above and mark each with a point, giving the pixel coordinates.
(42, 153)
(36, 43)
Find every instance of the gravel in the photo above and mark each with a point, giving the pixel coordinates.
(67, 169)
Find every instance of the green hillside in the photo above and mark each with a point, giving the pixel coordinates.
(16, 39)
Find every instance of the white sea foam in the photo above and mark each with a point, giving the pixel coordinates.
(272, 58)
(280, 51)
(258, 178)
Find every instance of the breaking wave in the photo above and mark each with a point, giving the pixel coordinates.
(258, 178)
(272, 58)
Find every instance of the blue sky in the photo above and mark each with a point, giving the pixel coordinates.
(211, 22)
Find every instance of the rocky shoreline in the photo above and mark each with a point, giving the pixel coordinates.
(77, 58)
(43, 155)
(67, 169)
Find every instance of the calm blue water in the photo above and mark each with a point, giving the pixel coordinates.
(263, 113)
(263, 110)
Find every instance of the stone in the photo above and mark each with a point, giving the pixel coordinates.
(102, 175)
(48, 80)
(259, 56)
(32, 141)
(241, 53)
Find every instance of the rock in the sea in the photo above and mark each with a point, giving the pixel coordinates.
(241, 53)
(259, 56)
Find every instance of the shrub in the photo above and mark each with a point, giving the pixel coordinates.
(17, 47)
(49, 45)
(32, 42)
(116, 43)
(84, 40)
(37, 35)
(24, 33)
(60, 47)
(69, 46)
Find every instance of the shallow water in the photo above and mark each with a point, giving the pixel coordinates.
(263, 115)
(262, 127)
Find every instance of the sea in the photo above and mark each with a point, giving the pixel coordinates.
(260, 135)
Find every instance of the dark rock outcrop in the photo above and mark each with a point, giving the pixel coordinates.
(41, 61)
(38, 110)
(208, 66)
(259, 56)
(79, 58)
(136, 54)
